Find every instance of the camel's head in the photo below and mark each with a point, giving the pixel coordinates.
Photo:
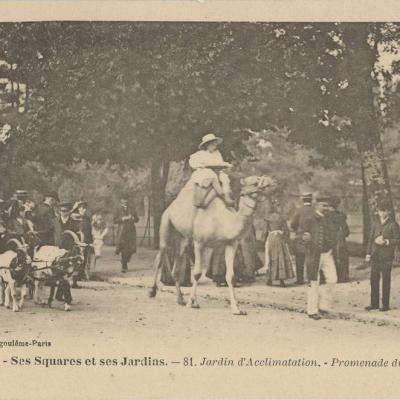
(257, 186)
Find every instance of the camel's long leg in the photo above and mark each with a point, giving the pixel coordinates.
(198, 254)
(230, 250)
(162, 254)
(157, 264)
(2, 284)
(179, 267)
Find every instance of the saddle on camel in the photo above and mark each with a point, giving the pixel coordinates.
(211, 223)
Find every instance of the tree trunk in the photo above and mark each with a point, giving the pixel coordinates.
(159, 178)
(366, 220)
(360, 61)
(12, 93)
(26, 102)
(17, 96)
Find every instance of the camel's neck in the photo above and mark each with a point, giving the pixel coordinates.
(247, 207)
(244, 216)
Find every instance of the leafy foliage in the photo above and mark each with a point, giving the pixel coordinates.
(142, 94)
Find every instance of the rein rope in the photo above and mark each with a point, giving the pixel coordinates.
(55, 266)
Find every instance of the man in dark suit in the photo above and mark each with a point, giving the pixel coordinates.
(300, 224)
(125, 217)
(65, 220)
(319, 242)
(384, 237)
(45, 219)
(84, 222)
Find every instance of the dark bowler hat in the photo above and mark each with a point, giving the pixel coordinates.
(124, 196)
(65, 206)
(53, 194)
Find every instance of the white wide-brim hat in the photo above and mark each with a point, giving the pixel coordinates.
(210, 137)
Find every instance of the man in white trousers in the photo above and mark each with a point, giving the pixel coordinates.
(320, 242)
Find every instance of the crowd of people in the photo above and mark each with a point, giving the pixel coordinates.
(319, 247)
(45, 223)
(318, 228)
(316, 254)
(279, 247)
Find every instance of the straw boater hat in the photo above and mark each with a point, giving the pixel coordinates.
(210, 137)
(81, 203)
(307, 197)
(21, 194)
(322, 198)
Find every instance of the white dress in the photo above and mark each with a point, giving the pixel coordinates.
(202, 175)
(98, 239)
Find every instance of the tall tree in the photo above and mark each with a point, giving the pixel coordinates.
(144, 93)
(359, 61)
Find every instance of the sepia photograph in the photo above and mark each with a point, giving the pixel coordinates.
(199, 209)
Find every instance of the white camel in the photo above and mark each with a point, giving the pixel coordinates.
(208, 227)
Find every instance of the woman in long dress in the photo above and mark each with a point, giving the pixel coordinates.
(277, 257)
(247, 257)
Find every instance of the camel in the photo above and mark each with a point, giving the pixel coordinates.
(208, 227)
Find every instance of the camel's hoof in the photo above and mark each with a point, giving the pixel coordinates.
(67, 307)
(239, 312)
(15, 309)
(153, 292)
(193, 304)
(181, 302)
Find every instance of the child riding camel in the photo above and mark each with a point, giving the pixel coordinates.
(208, 165)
